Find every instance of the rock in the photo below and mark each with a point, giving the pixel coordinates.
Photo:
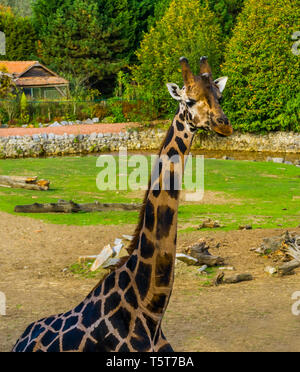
(95, 120)
(278, 160)
(245, 227)
(89, 121)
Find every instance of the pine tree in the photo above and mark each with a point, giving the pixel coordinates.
(264, 80)
(89, 39)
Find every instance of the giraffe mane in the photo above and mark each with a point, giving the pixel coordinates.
(136, 236)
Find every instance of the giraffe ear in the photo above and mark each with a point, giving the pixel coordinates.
(221, 83)
(175, 91)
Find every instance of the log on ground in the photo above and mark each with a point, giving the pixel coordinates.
(28, 183)
(70, 207)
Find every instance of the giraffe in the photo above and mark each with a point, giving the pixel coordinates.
(124, 312)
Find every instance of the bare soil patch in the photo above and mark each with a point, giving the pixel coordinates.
(252, 316)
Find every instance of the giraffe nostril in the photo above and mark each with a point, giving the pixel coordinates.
(223, 121)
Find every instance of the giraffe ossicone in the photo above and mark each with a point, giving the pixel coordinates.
(125, 310)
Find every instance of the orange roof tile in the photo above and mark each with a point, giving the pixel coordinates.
(17, 67)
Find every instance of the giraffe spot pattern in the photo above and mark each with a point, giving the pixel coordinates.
(143, 278)
(181, 145)
(79, 308)
(112, 302)
(147, 247)
(111, 342)
(131, 298)
(48, 338)
(171, 180)
(179, 126)
(124, 280)
(163, 270)
(156, 190)
(174, 155)
(157, 303)
(70, 322)
(54, 347)
(151, 324)
(169, 137)
(142, 342)
(165, 217)
(72, 339)
(149, 216)
(121, 321)
(109, 283)
(91, 314)
(124, 349)
(166, 349)
(100, 332)
(131, 263)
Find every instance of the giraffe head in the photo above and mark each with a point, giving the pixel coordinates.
(201, 97)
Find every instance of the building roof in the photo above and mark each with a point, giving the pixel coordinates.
(41, 81)
(18, 68)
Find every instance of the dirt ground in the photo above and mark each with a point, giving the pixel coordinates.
(252, 316)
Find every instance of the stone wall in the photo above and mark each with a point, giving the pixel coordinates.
(147, 140)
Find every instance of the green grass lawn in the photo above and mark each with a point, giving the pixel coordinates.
(265, 195)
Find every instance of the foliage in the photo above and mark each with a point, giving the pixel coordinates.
(20, 36)
(24, 109)
(264, 83)
(226, 12)
(171, 38)
(6, 83)
(88, 39)
(8, 96)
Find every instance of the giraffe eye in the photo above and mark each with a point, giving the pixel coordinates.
(191, 102)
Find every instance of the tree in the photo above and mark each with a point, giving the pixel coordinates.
(88, 39)
(226, 12)
(8, 90)
(20, 35)
(186, 29)
(263, 72)
(21, 8)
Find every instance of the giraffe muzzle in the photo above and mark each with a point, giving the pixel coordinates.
(222, 127)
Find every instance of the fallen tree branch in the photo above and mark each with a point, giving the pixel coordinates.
(201, 253)
(288, 267)
(63, 206)
(28, 183)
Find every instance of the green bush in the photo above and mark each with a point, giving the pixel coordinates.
(186, 29)
(264, 81)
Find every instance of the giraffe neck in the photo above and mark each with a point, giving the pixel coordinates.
(155, 251)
